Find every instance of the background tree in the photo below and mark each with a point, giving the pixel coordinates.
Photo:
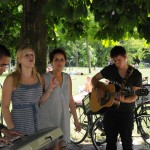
(36, 21)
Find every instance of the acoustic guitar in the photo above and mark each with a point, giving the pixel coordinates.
(104, 96)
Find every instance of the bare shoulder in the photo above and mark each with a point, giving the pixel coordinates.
(8, 83)
(9, 79)
(42, 81)
(41, 78)
(66, 75)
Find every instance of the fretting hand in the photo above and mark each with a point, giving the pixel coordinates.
(120, 97)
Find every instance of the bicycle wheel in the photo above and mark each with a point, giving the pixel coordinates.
(143, 121)
(75, 136)
(97, 133)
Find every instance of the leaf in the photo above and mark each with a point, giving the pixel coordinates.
(55, 7)
(69, 13)
(148, 5)
(97, 3)
(80, 11)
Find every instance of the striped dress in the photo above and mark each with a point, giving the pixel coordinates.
(25, 108)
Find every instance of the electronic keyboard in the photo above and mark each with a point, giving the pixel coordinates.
(41, 140)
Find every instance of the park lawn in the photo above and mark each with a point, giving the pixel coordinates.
(80, 80)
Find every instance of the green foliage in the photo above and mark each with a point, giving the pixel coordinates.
(80, 10)
(144, 29)
(55, 7)
(72, 24)
(115, 19)
(10, 24)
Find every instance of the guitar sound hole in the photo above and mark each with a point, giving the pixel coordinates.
(103, 101)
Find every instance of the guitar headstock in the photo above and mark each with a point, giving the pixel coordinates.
(142, 92)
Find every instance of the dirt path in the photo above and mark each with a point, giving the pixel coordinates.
(137, 144)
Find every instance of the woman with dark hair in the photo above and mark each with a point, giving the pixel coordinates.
(55, 111)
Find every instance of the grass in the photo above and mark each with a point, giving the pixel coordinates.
(79, 80)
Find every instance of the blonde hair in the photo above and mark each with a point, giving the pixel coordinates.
(17, 73)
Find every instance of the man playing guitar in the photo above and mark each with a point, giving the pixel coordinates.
(120, 120)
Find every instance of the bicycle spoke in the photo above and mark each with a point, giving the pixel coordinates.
(98, 134)
(144, 123)
(75, 136)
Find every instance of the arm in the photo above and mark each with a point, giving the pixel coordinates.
(96, 79)
(73, 109)
(6, 98)
(136, 85)
(53, 83)
(129, 99)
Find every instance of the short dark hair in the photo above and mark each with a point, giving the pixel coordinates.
(57, 51)
(4, 51)
(116, 51)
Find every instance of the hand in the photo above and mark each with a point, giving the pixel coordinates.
(4, 141)
(78, 126)
(11, 133)
(120, 98)
(53, 83)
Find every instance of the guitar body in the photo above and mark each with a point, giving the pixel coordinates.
(99, 97)
(103, 97)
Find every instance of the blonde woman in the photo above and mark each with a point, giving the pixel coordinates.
(24, 89)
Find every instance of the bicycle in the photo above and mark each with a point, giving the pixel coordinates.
(86, 119)
(93, 123)
(141, 117)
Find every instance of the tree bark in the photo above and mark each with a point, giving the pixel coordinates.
(34, 31)
(76, 55)
(88, 55)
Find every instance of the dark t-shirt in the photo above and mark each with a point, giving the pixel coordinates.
(135, 79)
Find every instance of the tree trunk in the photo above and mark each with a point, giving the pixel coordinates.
(76, 55)
(88, 55)
(34, 31)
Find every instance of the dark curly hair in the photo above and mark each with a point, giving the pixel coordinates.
(57, 51)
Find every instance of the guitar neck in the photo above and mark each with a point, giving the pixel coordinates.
(124, 93)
